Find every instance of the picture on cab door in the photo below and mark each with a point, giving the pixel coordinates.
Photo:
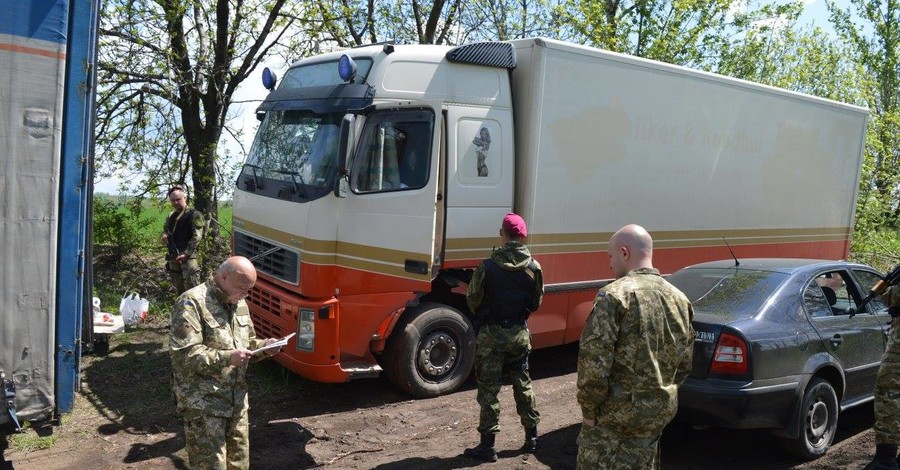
(483, 143)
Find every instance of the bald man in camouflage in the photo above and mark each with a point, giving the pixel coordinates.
(635, 351)
(887, 392)
(210, 344)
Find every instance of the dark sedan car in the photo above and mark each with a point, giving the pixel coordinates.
(777, 347)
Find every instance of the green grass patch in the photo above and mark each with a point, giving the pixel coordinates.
(28, 441)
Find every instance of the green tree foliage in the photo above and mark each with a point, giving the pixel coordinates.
(502, 20)
(353, 22)
(781, 53)
(349, 23)
(871, 28)
(168, 71)
(119, 228)
(686, 32)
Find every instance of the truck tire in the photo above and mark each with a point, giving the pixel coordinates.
(818, 421)
(432, 352)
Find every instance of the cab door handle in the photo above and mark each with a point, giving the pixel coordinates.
(836, 340)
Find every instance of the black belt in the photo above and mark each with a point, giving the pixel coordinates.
(505, 323)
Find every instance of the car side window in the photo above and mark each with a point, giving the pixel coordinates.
(834, 286)
(814, 301)
(868, 280)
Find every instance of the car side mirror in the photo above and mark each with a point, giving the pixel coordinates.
(345, 147)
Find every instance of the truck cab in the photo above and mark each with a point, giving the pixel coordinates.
(343, 205)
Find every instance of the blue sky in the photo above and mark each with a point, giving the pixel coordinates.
(815, 12)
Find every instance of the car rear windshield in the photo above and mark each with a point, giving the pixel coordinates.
(732, 292)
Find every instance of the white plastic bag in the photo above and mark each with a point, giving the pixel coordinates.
(133, 308)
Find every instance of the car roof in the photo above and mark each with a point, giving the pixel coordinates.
(784, 265)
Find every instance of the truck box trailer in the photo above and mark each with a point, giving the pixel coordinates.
(379, 176)
(46, 94)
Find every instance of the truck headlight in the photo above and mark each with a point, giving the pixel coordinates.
(306, 329)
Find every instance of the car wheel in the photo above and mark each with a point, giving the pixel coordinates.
(432, 353)
(818, 421)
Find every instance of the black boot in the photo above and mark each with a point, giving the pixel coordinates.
(484, 451)
(530, 440)
(885, 458)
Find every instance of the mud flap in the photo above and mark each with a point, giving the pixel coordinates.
(9, 400)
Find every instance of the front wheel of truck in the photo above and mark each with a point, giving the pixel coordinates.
(432, 352)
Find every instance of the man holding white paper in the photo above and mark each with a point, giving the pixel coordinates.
(211, 342)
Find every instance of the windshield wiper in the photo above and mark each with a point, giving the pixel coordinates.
(255, 178)
(293, 175)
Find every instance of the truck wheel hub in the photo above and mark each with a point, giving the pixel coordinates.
(437, 354)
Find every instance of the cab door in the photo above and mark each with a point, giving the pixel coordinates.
(386, 229)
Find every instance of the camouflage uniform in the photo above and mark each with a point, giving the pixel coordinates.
(185, 230)
(211, 395)
(635, 351)
(498, 347)
(887, 384)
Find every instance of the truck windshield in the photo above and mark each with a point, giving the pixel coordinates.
(294, 155)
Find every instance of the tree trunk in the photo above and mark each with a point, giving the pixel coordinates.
(203, 174)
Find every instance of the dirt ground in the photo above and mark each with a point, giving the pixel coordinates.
(124, 418)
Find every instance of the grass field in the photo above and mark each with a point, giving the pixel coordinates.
(128, 255)
(157, 217)
(146, 224)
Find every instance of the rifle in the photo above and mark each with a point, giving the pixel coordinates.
(891, 279)
(170, 244)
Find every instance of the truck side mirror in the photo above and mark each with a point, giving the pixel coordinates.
(345, 146)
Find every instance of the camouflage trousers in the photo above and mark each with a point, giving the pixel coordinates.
(184, 275)
(217, 443)
(887, 391)
(601, 449)
(499, 350)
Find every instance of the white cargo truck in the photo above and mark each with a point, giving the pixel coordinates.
(379, 176)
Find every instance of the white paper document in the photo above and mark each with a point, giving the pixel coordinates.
(277, 344)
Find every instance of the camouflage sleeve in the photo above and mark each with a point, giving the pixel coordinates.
(475, 294)
(891, 296)
(196, 234)
(538, 295)
(596, 354)
(186, 341)
(687, 358)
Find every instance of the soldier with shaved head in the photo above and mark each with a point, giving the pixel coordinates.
(635, 351)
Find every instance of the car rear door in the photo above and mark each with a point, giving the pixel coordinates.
(855, 343)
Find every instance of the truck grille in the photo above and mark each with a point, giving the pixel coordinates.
(281, 263)
(266, 329)
(265, 301)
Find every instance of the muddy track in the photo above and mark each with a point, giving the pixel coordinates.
(124, 418)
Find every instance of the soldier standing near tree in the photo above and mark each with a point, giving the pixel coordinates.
(182, 233)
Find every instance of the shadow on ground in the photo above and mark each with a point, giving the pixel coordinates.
(129, 388)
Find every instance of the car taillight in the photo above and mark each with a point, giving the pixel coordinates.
(730, 356)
